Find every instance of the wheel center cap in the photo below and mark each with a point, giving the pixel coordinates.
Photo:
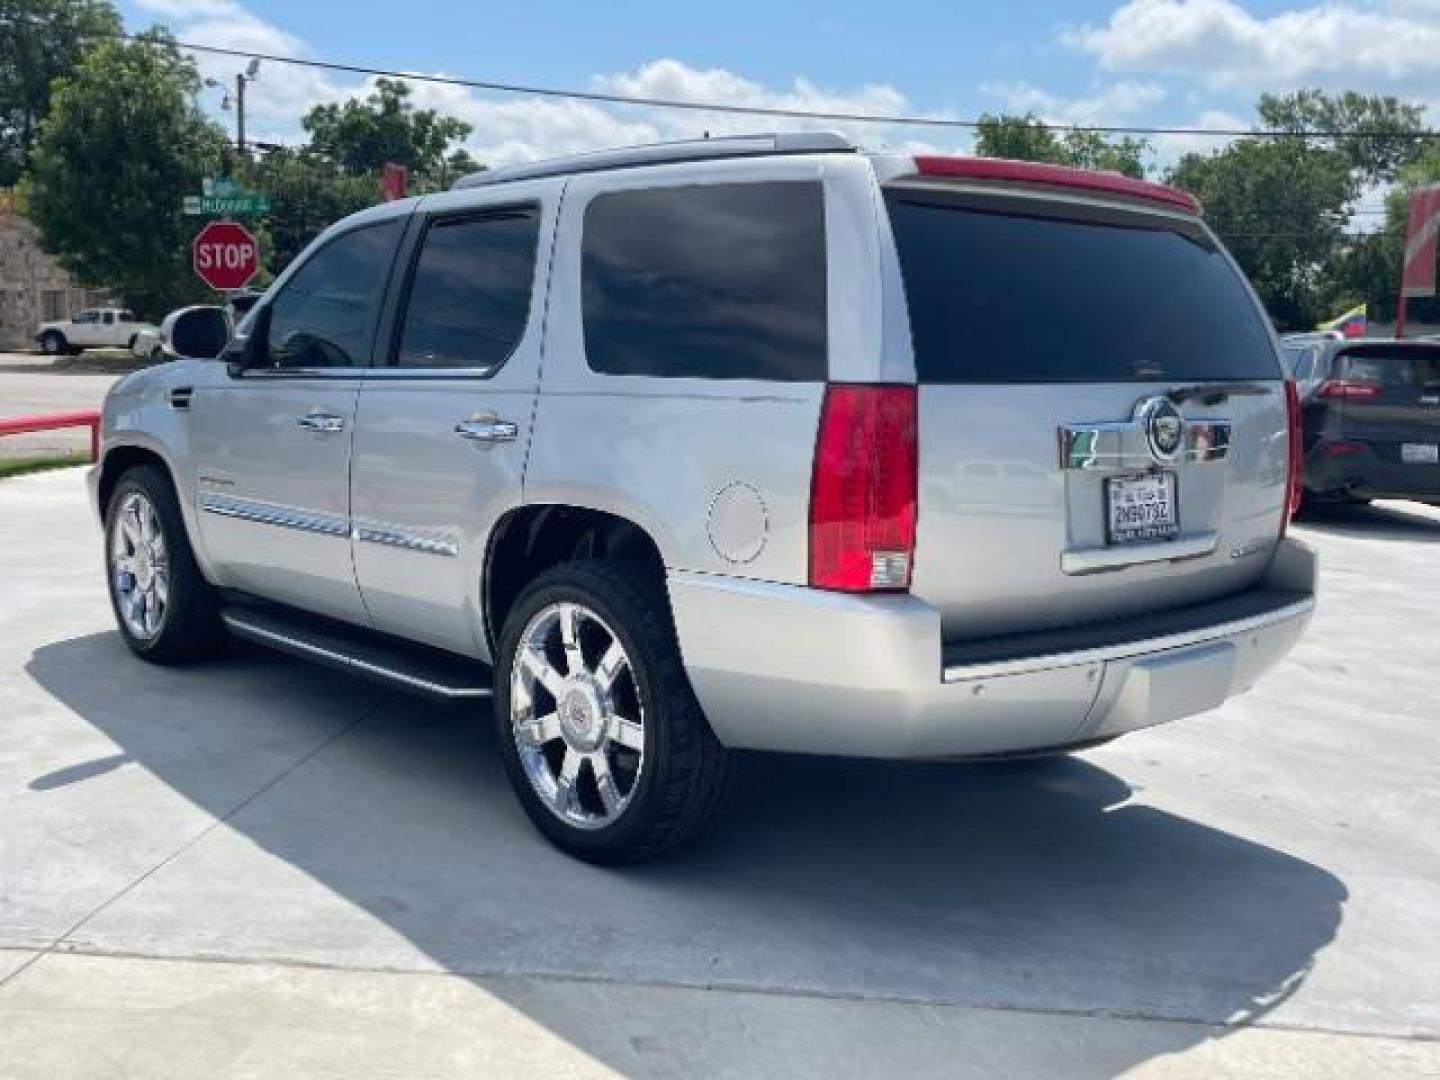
(580, 718)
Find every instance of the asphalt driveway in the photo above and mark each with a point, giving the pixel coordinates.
(32, 384)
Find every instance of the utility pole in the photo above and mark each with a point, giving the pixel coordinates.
(240, 113)
(242, 80)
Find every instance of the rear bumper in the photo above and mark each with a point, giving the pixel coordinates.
(780, 667)
(1366, 474)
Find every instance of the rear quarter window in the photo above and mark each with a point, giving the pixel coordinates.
(723, 281)
(1002, 297)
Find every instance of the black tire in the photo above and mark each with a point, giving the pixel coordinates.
(53, 343)
(686, 771)
(130, 345)
(190, 627)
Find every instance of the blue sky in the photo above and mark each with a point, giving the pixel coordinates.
(1167, 62)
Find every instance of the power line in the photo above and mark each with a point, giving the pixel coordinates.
(752, 110)
(790, 114)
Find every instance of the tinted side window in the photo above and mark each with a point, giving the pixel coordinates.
(999, 297)
(725, 281)
(322, 317)
(470, 294)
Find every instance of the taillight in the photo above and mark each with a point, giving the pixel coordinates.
(1347, 388)
(863, 489)
(1296, 484)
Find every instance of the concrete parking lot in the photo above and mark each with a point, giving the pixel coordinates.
(258, 868)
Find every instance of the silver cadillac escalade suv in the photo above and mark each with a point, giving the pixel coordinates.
(755, 443)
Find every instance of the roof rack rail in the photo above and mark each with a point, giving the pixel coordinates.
(667, 153)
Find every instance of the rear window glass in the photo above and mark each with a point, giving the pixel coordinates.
(724, 281)
(1410, 369)
(1003, 298)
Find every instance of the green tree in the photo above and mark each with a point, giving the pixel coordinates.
(1368, 268)
(1279, 204)
(361, 136)
(1027, 138)
(338, 171)
(124, 141)
(307, 193)
(1388, 125)
(40, 40)
(1378, 137)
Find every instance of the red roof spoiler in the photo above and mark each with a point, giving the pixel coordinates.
(1032, 172)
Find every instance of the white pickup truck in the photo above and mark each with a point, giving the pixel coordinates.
(90, 329)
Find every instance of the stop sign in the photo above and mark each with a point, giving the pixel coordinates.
(225, 255)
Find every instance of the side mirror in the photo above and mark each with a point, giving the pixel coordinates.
(200, 333)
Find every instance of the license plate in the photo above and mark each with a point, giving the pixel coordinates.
(1141, 508)
(1420, 453)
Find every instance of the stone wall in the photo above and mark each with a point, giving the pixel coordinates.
(33, 288)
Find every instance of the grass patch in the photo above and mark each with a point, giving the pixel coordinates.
(19, 466)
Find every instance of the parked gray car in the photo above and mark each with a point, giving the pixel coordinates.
(756, 443)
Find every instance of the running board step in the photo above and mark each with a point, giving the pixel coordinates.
(413, 668)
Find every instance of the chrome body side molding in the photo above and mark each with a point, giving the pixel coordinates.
(291, 517)
(264, 513)
(376, 533)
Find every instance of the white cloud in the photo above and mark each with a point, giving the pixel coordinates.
(1218, 42)
(1109, 104)
(1171, 147)
(672, 80)
(1115, 104)
(511, 128)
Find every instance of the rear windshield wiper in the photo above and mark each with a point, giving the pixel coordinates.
(1215, 392)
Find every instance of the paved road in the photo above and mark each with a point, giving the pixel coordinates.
(28, 384)
(258, 868)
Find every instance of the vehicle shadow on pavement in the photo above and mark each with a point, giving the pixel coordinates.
(1394, 521)
(1046, 886)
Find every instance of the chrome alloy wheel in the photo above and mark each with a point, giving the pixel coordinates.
(575, 715)
(139, 567)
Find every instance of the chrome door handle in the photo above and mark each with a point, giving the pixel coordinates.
(488, 430)
(321, 421)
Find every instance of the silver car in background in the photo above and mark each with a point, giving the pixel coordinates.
(758, 443)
